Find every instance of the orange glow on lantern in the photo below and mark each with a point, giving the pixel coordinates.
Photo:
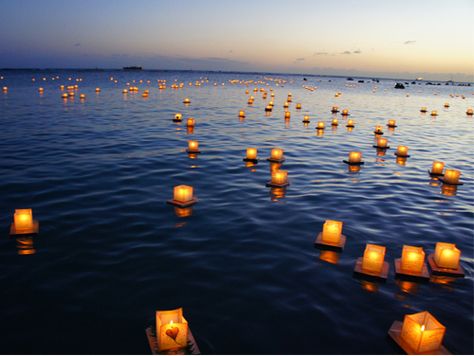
(320, 125)
(285, 105)
(190, 122)
(434, 113)
(241, 113)
(350, 123)
(355, 157)
(23, 222)
(193, 146)
(251, 153)
(423, 109)
(470, 112)
(451, 176)
(335, 109)
(378, 130)
(97, 90)
(402, 151)
(345, 112)
(422, 332)
(187, 101)
(287, 114)
(183, 193)
(382, 142)
(332, 231)
(5, 89)
(437, 167)
(335, 122)
(413, 259)
(82, 96)
(279, 177)
(171, 329)
(276, 154)
(446, 105)
(392, 123)
(447, 255)
(306, 118)
(64, 96)
(178, 117)
(373, 259)
(298, 106)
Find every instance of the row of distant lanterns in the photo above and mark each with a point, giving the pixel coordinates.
(419, 332)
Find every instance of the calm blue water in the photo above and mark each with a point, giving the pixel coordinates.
(111, 251)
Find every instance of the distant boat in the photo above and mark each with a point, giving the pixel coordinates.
(132, 68)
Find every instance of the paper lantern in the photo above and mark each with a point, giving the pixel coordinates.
(178, 117)
(306, 119)
(298, 106)
(125, 91)
(5, 89)
(470, 112)
(41, 90)
(64, 96)
(437, 168)
(335, 109)
(268, 108)
(422, 333)
(97, 90)
(334, 122)
(402, 151)
(378, 130)
(382, 143)
(285, 105)
(61, 87)
(187, 101)
(423, 109)
(413, 259)
(350, 123)
(446, 105)
(287, 115)
(251, 155)
(373, 259)
(447, 255)
(434, 113)
(451, 176)
(392, 123)
(331, 236)
(190, 122)
(279, 179)
(320, 125)
(241, 113)
(345, 112)
(355, 158)
(82, 96)
(193, 146)
(276, 155)
(171, 329)
(23, 222)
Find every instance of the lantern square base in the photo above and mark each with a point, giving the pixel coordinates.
(319, 243)
(190, 349)
(443, 181)
(176, 120)
(395, 332)
(181, 204)
(401, 156)
(435, 174)
(334, 111)
(381, 148)
(378, 133)
(269, 159)
(34, 230)
(383, 274)
(459, 272)
(353, 163)
(345, 114)
(424, 274)
(392, 126)
(273, 185)
(350, 126)
(250, 160)
(192, 152)
(306, 121)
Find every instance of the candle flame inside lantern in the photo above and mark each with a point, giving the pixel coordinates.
(251, 153)
(447, 255)
(451, 176)
(355, 157)
(437, 167)
(332, 231)
(276, 154)
(178, 117)
(171, 330)
(183, 193)
(279, 177)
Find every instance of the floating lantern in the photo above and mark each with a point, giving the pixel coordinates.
(241, 113)
(145, 94)
(61, 87)
(125, 91)
(178, 117)
(350, 123)
(41, 90)
(64, 96)
(373, 262)
(306, 119)
(171, 330)
(285, 105)
(190, 122)
(451, 176)
(71, 94)
(287, 115)
(187, 101)
(298, 106)
(97, 90)
(434, 113)
(446, 105)
(412, 263)
(276, 155)
(423, 109)
(378, 130)
(193, 146)
(5, 89)
(320, 125)
(355, 158)
(437, 168)
(420, 333)
(402, 151)
(250, 101)
(446, 259)
(183, 196)
(470, 112)
(335, 122)
(279, 179)
(392, 123)
(335, 109)
(23, 223)
(268, 108)
(82, 96)
(251, 155)
(382, 143)
(331, 236)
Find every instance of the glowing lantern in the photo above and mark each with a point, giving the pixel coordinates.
(268, 108)
(451, 176)
(171, 329)
(331, 235)
(412, 263)
(355, 158)
(182, 196)
(306, 119)
(446, 105)
(41, 90)
(82, 96)
(335, 122)
(97, 90)
(335, 109)
(298, 106)
(434, 113)
(437, 168)
(193, 146)
(373, 259)
(241, 113)
(350, 123)
(125, 91)
(287, 115)
(276, 155)
(23, 222)
(345, 112)
(423, 109)
(470, 112)
(178, 117)
(187, 101)
(402, 151)
(64, 96)
(190, 122)
(251, 155)
(279, 179)
(392, 123)
(5, 89)
(61, 87)
(378, 130)
(320, 125)
(382, 143)
(285, 105)
(447, 255)
(422, 333)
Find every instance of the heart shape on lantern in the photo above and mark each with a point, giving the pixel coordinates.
(172, 332)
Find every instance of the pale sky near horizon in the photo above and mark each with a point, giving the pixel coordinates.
(433, 39)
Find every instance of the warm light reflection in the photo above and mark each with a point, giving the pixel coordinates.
(329, 256)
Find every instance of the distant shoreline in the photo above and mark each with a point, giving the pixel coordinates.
(229, 72)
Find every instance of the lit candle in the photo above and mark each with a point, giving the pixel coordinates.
(251, 154)
(373, 258)
(422, 332)
(183, 193)
(402, 151)
(241, 113)
(355, 157)
(345, 112)
(392, 123)
(187, 101)
(190, 122)
(382, 142)
(276, 154)
(279, 177)
(434, 113)
(350, 123)
(332, 231)
(178, 117)
(193, 146)
(171, 329)
(378, 130)
(320, 125)
(437, 168)
(447, 255)
(413, 259)
(335, 122)
(451, 176)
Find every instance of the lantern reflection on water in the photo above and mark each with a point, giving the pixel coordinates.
(329, 256)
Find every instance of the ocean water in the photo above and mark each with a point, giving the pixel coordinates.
(242, 263)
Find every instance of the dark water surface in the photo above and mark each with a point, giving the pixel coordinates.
(243, 266)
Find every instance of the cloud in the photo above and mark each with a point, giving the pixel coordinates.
(320, 53)
(357, 51)
(300, 59)
(346, 52)
(409, 42)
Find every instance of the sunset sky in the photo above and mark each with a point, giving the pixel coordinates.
(433, 39)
